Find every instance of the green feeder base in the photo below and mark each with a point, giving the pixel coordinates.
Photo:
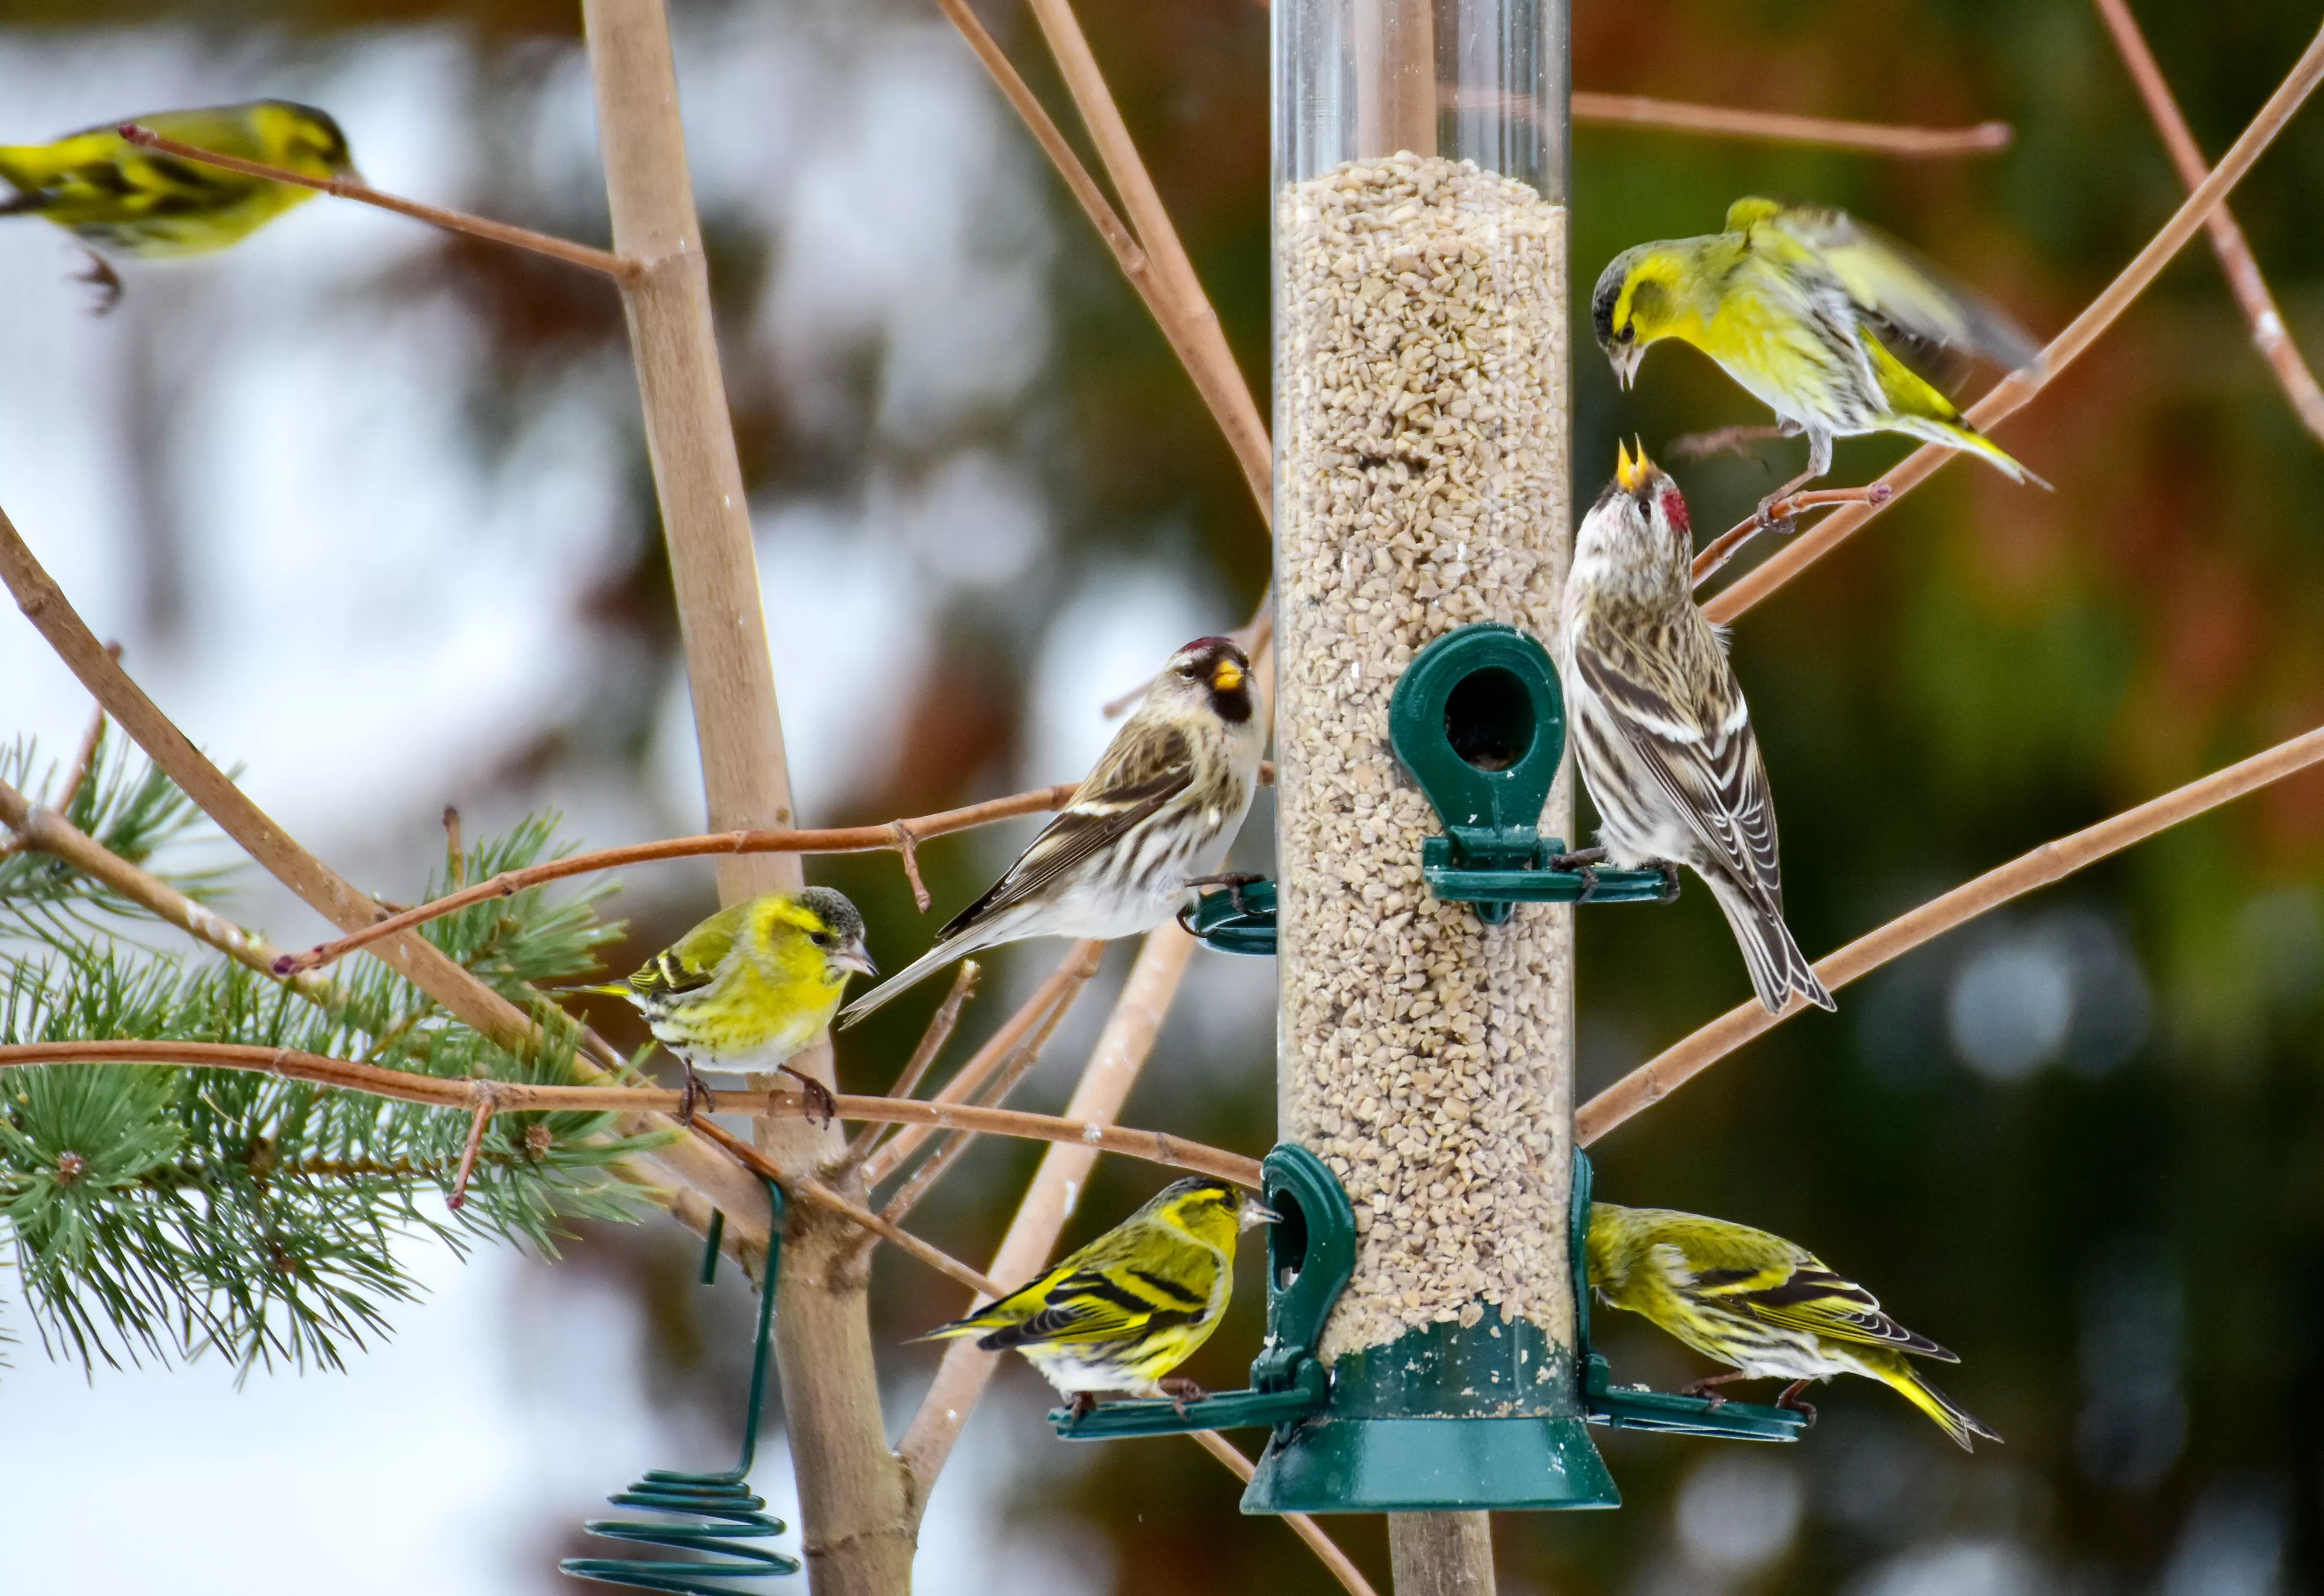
(1443, 1418)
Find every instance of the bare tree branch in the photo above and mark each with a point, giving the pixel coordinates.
(2268, 334)
(842, 839)
(2012, 392)
(1634, 110)
(1656, 1079)
(1192, 325)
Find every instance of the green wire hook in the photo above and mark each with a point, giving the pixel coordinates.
(735, 1515)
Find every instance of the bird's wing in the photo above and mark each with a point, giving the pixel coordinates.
(1904, 298)
(1136, 776)
(1782, 1284)
(1108, 1304)
(1697, 748)
(692, 961)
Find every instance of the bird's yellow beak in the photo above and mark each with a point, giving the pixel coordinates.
(855, 957)
(1254, 1211)
(1629, 472)
(1226, 676)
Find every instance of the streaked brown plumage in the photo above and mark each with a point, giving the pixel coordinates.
(1661, 732)
(1158, 813)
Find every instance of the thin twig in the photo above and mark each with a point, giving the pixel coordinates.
(908, 850)
(1192, 325)
(457, 1198)
(932, 1042)
(2012, 392)
(1729, 543)
(1204, 354)
(455, 858)
(452, 221)
(1652, 1082)
(843, 839)
(85, 756)
(1152, 1147)
(1783, 128)
(1305, 1528)
(2268, 334)
(953, 1145)
(1057, 992)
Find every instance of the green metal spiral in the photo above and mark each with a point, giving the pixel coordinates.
(724, 1511)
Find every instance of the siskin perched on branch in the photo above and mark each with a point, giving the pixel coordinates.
(1660, 729)
(119, 199)
(1767, 1306)
(751, 986)
(1154, 818)
(1801, 306)
(1123, 1312)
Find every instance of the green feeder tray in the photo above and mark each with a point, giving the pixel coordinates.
(1635, 1408)
(1235, 920)
(1479, 719)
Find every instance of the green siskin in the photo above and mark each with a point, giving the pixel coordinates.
(120, 198)
(1805, 308)
(751, 986)
(1124, 1311)
(1767, 1306)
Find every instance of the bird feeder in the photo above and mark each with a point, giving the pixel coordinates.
(1425, 1049)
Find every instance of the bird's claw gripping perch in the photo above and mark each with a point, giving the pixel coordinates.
(694, 1096)
(1180, 1390)
(101, 276)
(1790, 1400)
(1235, 881)
(1583, 863)
(1669, 872)
(822, 1107)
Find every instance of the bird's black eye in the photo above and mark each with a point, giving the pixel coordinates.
(1190, 670)
(823, 938)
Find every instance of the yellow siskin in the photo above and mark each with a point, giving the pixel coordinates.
(751, 986)
(1152, 821)
(1805, 308)
(1761, 1303)
(119, 197)
(1661, 732)
(1123, 1312)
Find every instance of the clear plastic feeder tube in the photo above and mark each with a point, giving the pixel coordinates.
(1422, 428)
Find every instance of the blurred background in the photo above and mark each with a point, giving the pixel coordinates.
(368, 508)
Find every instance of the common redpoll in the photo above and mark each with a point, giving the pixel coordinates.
(1154, 818)
(1660, 729)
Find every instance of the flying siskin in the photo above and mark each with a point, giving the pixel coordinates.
(1155, 819)
(1661, 732)
(1123, 1312)
(751, 986)
(1763, 1306)
(121, 198)
(1805, 308)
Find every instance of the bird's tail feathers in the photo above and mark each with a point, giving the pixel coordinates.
(1960, 434)
(1964, 1428)
(909, 976)
(1777, 967)
(972, 1326)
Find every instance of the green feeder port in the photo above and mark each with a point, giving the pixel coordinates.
(1479, 720)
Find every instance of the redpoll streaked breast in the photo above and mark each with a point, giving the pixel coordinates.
(1156, 815)
(1660, 729)
(1765, 1306)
